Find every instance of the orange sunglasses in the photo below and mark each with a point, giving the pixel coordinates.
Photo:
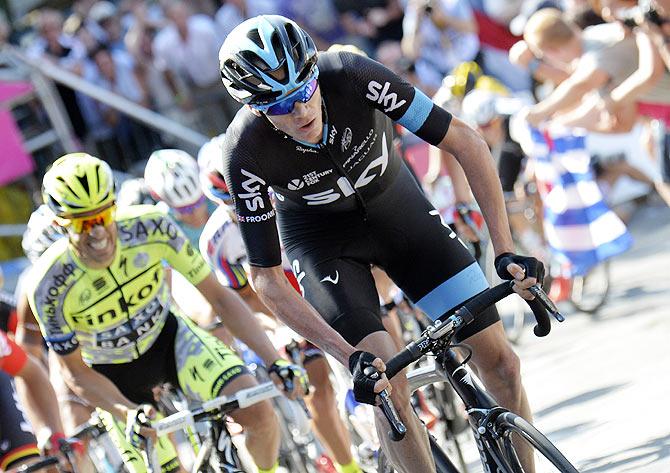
(84, 224)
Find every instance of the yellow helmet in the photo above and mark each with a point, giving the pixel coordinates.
(491, 84)
(463, 78)
(78, 183)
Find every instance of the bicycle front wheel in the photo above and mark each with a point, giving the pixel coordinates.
(515, 430)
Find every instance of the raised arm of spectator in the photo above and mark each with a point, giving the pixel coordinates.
(660, 35)
(411, 40)
(569, 93)
(650, 69)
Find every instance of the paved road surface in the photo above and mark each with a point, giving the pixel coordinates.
(600, 387)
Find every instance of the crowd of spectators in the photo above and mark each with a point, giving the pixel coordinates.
(604, 62)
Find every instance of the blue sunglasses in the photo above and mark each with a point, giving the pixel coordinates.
(284, 107)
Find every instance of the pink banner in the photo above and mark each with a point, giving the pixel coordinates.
(10, 90)
(14, 161)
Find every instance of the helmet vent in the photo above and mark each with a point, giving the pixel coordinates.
(306, 71)
(97, 176)
(294, 42)
(68, 187)
(84, 183)
(254, 36)
(252, 58)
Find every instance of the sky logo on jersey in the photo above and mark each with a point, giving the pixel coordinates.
(367, 176)
(252, 199)
(379, 93)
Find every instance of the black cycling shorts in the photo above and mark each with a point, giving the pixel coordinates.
(183, 355)
(405, 236)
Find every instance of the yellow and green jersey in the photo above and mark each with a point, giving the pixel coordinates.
(113, 314)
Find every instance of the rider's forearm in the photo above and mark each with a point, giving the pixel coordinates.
(459, 181)
(474, 156)
(242, 323)
(38, 397)
(294, 311)
(93, 387)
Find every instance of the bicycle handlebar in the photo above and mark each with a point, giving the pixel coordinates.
(463, 316)
(242, 398)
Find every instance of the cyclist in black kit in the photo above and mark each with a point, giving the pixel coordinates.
(318, 130)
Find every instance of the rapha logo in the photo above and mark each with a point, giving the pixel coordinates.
(252, 199)
(390, 101)
(331, 135)
(346, 139)
(295, 184)
(303, 150)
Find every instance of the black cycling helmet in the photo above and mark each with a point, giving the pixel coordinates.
(265, 58)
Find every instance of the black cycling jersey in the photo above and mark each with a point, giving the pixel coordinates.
(350, 201)
(355, 161)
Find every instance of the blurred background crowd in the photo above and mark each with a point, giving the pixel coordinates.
(599, 65)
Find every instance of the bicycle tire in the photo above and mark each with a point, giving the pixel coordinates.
(594, 301)
(452, 423)
(509, 423)
(442, 462)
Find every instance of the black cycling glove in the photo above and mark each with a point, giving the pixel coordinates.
(364, 384)
(534, 267)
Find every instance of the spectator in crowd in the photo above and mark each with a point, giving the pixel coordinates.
(319, 18)
(649, 85)
(234, 12)
(66, 51)
(188, 47)
(5, 29)
(599, 59)
(493, 24)
(108, 24)
(80, 25)
(368, 23)
(438, 35)
(158, 84)
(660, 33)
(118, 140)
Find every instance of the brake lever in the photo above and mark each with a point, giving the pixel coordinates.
(548, 304)
(398, 429)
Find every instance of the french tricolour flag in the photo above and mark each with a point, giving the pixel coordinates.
(578, 224)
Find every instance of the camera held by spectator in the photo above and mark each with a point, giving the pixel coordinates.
(646, 12)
